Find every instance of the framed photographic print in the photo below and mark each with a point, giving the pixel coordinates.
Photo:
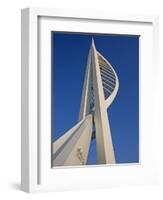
(88, 100)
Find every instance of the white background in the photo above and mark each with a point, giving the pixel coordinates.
(10, 97)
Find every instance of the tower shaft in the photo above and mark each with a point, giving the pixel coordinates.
(104, 146)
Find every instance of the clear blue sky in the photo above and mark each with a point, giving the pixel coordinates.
(69, 60)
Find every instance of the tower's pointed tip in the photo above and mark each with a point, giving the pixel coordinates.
(93, 42)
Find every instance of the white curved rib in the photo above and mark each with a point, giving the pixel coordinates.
(110, 99)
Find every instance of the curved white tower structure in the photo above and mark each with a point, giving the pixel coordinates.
(100, 88)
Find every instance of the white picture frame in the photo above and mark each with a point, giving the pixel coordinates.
(36, 171)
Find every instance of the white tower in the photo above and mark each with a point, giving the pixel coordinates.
(100, 88)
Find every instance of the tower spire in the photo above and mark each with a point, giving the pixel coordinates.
(93, 43)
